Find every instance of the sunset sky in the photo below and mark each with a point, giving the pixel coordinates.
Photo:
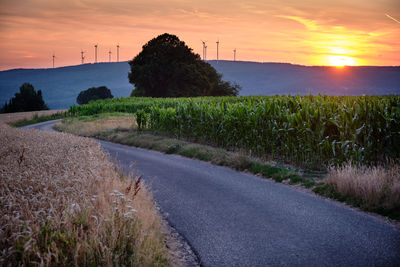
(307, 32)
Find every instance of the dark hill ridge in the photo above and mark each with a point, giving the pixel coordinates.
(283, 78)
(61, 86)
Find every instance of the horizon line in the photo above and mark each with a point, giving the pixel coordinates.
(222, 60)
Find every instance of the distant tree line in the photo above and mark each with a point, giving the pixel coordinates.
(26, 100)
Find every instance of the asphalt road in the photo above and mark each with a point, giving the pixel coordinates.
(237, 219)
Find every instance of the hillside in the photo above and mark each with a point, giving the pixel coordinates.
(61, 86)
(283, 78)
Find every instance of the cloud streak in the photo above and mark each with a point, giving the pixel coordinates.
(390, 17)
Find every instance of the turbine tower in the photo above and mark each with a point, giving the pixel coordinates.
(204, 49)
(109, 55)
(205, 52)
(82, 56)
(95, 53)
(54, 56)
(234, 54)
(118, 53)
(217, 49)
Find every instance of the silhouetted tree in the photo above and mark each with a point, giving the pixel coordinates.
(167, 67)
(26, 100)
(93, 93)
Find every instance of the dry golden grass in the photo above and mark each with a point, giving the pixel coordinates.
(93, 128)
(63, 203)
(378, 187)
(20, 116)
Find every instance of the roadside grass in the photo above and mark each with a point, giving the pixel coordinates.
(19, 119)
(63, 202)
(121, 129)
(375, 188)
(90, 126)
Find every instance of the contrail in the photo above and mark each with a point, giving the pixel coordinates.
(390, 17)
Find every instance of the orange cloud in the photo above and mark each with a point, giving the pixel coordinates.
(309, 24)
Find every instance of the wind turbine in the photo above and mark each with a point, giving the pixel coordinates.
(117, 52)
(217, 49)
(95, 53)
(205, 52)
(204, 49)
(234, 54)
(54, 56)
(109, 55)
(82, 56)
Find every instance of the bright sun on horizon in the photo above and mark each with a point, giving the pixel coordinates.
(341, 61)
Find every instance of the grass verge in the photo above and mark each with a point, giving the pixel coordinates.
(375, 189)
(63, 203)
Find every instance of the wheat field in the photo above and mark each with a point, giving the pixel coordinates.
(20, 116)
(63, 203)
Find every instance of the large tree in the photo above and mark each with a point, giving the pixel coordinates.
(26, 100)
(167, 67)
(93, 93)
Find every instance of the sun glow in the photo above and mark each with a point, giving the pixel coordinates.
(340, 61)
(342, 55)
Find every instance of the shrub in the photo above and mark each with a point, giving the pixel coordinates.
(93, 93)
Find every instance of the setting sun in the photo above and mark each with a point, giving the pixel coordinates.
(340, 61)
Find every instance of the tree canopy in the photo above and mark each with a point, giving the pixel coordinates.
(93, 93)
(26, 100)
(167, 67)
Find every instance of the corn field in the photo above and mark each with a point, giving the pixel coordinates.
(308, 130)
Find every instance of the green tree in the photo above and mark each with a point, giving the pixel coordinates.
(167, 67)
(93, 93)
(26, 100)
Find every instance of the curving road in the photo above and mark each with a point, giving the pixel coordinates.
(237, 219)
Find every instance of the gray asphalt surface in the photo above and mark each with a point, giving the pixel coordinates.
(236, 219)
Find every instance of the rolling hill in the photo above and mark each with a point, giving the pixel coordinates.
(61, 86)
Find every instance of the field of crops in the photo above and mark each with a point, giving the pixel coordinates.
(308, 130)
(61, 203)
